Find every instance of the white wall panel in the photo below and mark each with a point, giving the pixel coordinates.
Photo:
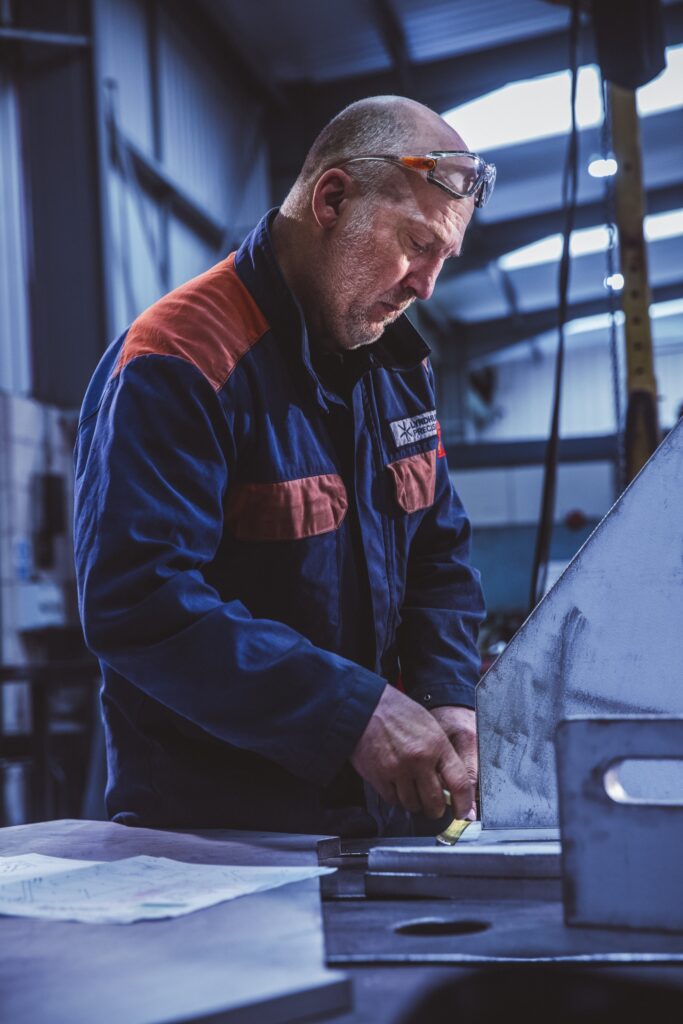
(14, 321)
(525, 385)
(525, 390)
(669, 370)
(511, 495)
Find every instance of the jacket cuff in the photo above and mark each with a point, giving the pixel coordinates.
(348, 721)
(445, 695)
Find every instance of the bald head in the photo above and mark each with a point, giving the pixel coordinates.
(358, 241)
(379, 124)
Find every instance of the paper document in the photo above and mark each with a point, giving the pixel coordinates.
(132, 889)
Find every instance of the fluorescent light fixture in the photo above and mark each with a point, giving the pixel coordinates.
(663, 225)
(547, 250)
(586, 241)
(664, 92)
(598, 322)
(614, 281)
(602, 168)
(601, 321)
(533, 109)
(673, 307)
(538, 108)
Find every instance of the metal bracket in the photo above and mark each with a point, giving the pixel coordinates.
(621, 854)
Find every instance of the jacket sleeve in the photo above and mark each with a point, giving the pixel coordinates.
(152, 470)
(443, 605)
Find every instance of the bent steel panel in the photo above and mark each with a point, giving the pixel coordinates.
(606, 640)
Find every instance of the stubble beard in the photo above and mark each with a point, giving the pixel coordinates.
(351, 263)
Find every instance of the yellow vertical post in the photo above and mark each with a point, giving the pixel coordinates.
(642, 429)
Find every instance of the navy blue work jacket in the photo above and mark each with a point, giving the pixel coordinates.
(258, 553)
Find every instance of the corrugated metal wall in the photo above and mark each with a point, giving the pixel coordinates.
(184, 111)
(14, 323)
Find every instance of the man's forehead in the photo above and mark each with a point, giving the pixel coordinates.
(434, 135)
(445, 218)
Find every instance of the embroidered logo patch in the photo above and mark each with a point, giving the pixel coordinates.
(414, 428)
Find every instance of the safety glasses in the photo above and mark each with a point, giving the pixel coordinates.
(459, 173)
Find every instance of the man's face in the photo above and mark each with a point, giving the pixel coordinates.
(382, 256)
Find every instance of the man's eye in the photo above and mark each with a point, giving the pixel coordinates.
(417, 246)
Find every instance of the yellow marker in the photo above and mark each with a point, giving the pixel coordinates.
(450, 836)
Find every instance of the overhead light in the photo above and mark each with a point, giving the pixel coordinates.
(602, 167)
(538, 108)
(614, 281)
(663, 225)
(664, 92)
(601, 321)
(598, 322)
(660, 310)
(587, 241)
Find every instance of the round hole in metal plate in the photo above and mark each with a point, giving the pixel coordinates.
(440, 926)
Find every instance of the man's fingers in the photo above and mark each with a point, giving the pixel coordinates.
(460, 725)
(465, 745)
(386, 790)
(431, 794)
(457, 781)
(408, 795)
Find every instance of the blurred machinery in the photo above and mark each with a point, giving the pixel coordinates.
(46, 683)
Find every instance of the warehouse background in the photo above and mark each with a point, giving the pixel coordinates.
(140, 140)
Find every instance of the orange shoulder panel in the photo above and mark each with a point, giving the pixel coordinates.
(211, 321)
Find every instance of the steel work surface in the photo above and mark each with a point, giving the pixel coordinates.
(258, 958)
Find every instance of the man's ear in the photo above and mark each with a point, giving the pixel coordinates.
(330, 195)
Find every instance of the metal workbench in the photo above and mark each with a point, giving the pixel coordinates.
(261, 958)
(258, 958)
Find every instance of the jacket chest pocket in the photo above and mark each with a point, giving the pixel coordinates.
(289, 510)
(284, 552)
(414, 479)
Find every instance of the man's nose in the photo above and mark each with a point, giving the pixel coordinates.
(423, 278)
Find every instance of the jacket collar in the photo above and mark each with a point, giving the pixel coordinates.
(399, 348)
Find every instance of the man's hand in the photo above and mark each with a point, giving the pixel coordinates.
(460, 725)
(409, 759)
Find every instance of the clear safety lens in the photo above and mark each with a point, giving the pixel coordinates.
(462, 173)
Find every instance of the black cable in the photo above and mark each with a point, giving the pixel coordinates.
(612, 303)
(569, 191)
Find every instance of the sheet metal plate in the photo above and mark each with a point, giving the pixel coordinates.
(258, 958)
(622, 859)
(606, 640)
(365, 932)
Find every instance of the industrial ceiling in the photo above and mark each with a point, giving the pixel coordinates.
(308, 59)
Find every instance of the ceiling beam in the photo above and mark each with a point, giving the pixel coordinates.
(489, 336)
(486, 243)
(395, 42)
(440, 84)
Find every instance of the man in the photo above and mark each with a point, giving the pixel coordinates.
(268, 547)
